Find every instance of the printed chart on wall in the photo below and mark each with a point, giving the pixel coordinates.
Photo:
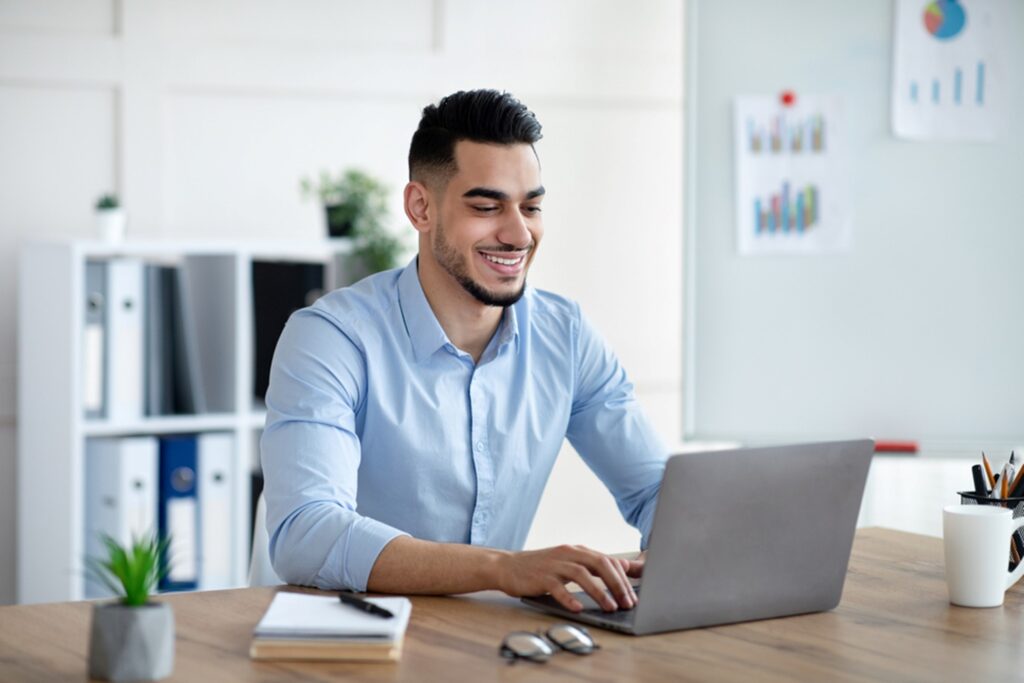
(791, 178)
(948, 69)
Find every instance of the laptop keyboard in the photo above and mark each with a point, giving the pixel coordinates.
(619, 620)
(621, 616)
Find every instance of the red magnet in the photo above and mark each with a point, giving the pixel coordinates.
(788, 98)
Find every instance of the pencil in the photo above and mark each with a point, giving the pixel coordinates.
(1002, 484)
(988, 471)
(1016, 481)
(1014, 553)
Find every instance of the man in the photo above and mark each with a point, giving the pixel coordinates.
(414, 417)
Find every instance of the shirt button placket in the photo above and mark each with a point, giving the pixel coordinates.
(481, 459)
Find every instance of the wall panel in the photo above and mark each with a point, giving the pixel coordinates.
(58, 16)
(234, 163)
(353, 25)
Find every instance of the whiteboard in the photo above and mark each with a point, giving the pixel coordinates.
(917, 331)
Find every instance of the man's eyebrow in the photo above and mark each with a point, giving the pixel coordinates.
(487, 193)
(498, 195)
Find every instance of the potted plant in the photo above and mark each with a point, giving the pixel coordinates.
(355, 205)
(133, 638)
(110, 218)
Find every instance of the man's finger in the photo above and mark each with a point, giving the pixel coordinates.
(629, 570)
(627, 599)
(634, 568)
(582, 576)
(565, 598)
(610, 571)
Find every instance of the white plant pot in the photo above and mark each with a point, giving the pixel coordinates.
(131, 643)
(110, 224)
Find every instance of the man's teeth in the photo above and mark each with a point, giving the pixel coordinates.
(503, 261)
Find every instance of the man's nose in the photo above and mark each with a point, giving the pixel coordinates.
(515, 231)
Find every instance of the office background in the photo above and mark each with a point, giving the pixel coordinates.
(203, 117)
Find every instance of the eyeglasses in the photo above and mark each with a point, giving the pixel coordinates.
(538, 647)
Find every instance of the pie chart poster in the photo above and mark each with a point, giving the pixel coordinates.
(949, 69)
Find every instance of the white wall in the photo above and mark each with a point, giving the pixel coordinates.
(203, 116)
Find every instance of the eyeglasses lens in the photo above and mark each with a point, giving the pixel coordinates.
(526, 645)
(575, 639)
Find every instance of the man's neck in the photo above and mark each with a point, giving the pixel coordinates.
(468, 324)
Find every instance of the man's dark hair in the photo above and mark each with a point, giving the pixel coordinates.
(475, 115)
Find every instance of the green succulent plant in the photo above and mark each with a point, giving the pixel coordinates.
(107, 201)
(132, 571)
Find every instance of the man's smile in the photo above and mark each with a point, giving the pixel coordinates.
(505, 263)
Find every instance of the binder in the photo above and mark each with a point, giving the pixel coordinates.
(121, 496)
(188, 382)
(159, 324)
(211, 322)
(278, 290)
(179, 511)
(217, 482)
(94, 339)
(124, 357)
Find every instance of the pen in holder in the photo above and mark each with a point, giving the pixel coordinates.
(1014, 503)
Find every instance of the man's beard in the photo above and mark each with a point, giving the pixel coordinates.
(449, 259)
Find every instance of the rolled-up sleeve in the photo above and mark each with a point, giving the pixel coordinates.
(310, 454)
(612, 434)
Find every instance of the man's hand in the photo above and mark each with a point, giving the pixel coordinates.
(547, 571)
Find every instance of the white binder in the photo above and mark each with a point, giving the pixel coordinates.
(93, 338)
(121, 495)
(217, 482)
(125, 339)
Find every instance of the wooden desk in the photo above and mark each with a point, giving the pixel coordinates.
(894, 623)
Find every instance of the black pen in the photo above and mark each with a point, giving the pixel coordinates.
(368, 607)
(979, 482)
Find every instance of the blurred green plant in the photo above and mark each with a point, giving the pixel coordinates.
(132, 571)
(356, 207)
(107, 201)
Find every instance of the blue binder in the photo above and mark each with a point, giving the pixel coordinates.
(179, 511)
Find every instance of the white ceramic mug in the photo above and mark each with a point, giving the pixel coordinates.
(977, 541)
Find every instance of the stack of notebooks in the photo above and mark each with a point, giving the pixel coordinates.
(299, 626)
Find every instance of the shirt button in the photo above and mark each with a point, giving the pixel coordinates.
(480, 447)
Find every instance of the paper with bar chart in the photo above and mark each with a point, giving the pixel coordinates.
(791, 178)
(948, 69)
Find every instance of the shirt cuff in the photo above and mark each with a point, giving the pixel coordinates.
(352, 558)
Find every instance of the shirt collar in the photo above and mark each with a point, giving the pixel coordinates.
(421, 324)
(426, 334)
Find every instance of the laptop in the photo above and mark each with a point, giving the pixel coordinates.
(744, 534)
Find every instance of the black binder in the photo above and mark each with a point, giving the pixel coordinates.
(279, 289)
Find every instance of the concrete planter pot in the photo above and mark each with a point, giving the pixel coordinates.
(131, 643)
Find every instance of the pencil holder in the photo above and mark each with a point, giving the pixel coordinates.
(1016, 504)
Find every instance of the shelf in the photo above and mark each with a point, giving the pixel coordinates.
(170, 424)
(54, 434)
(267, 249)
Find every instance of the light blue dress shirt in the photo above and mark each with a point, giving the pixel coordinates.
(377, 426)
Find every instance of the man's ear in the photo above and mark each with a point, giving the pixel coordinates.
(418, 206)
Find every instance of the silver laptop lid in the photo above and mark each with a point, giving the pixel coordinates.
(752, 533)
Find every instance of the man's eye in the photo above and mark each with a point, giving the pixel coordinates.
(485, 209)
(533, 209)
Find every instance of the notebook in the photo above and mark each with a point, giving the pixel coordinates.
(300, 626)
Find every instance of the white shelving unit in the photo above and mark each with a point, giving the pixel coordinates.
(53, 429)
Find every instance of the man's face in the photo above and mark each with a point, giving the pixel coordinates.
(489, 220)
